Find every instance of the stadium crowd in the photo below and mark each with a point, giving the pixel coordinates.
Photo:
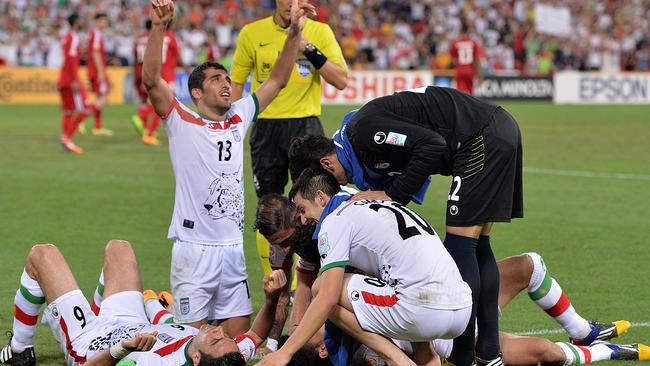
(607, 35)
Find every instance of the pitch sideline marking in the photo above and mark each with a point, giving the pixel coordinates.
(558, 331)
(587, 174)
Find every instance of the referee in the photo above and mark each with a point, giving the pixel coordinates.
(294, 112)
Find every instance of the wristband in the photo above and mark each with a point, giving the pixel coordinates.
(118, 352)
(272, 344)
(315, 56)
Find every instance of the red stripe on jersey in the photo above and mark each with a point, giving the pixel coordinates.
(379, 300)
(25, 318)
(587, 354)
(185, 115)
(560, 307)
(94, 308)
(226, 124)
(172, 347)
(243, 336)
(68, 344)
(159, 315)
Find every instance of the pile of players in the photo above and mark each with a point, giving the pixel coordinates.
(375, 282)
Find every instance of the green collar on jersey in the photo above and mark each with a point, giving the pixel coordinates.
(188, 359)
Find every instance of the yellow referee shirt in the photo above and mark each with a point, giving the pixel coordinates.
(259, 45)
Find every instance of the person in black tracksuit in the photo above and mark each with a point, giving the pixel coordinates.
(391, 146)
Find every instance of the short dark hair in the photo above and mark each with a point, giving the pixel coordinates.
(313, 180)
(148, 24)
(306, 152)
(274, 213)
(229, 359)
(100, 15)
(197, 77)
(306, 355)
(72, 19)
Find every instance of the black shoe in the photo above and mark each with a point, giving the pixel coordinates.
(25, 358)
(498, 361)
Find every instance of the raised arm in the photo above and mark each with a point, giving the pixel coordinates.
(284, 64)
(159, 92)
(263, 322)
(328, 61)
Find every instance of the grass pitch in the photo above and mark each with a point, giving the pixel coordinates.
(587, 207)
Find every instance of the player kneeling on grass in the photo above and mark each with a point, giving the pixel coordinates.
(122, 330)
(411, 289)
(587, 339)
(525, 272)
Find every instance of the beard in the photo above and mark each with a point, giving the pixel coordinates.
(303, 244)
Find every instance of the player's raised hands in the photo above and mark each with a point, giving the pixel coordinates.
(274, 282)
(163, 11)
(141, 342)
(300, 9)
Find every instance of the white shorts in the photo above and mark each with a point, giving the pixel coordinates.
(81, 334)
(209, 282)
(380, 310)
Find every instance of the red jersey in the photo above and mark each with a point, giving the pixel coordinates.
(465, 50)
(139, 47)
(95, 44)
(70, 68)
(170, 56)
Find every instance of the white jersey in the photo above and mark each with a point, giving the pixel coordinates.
(388, 241)
(171, 344)
(208, 159)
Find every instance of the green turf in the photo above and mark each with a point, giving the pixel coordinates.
(591, 231)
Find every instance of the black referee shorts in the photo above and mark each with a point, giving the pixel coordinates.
(270, 141)
(487, 175)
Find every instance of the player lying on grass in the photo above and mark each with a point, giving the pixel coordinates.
(524, 272)
(122, 330)
(416, 294)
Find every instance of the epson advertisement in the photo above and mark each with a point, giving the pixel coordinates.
(602, 88)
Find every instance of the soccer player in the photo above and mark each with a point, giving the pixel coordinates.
(74, 102)
(146, 122)
(206, 150)
(97, 71)
(466, 53)
(528, 272)
(391, 146)
(121, 330)
(525, 272)
(415, 294)
(295, 111)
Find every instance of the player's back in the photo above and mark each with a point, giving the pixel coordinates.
(464, 51)
(453, 114)
(389, 241)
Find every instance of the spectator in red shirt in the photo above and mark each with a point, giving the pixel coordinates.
(466, 52)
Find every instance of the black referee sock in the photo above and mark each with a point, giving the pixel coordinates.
(487, 314)
(463, 251)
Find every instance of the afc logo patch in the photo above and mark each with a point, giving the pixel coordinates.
(184, 305)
